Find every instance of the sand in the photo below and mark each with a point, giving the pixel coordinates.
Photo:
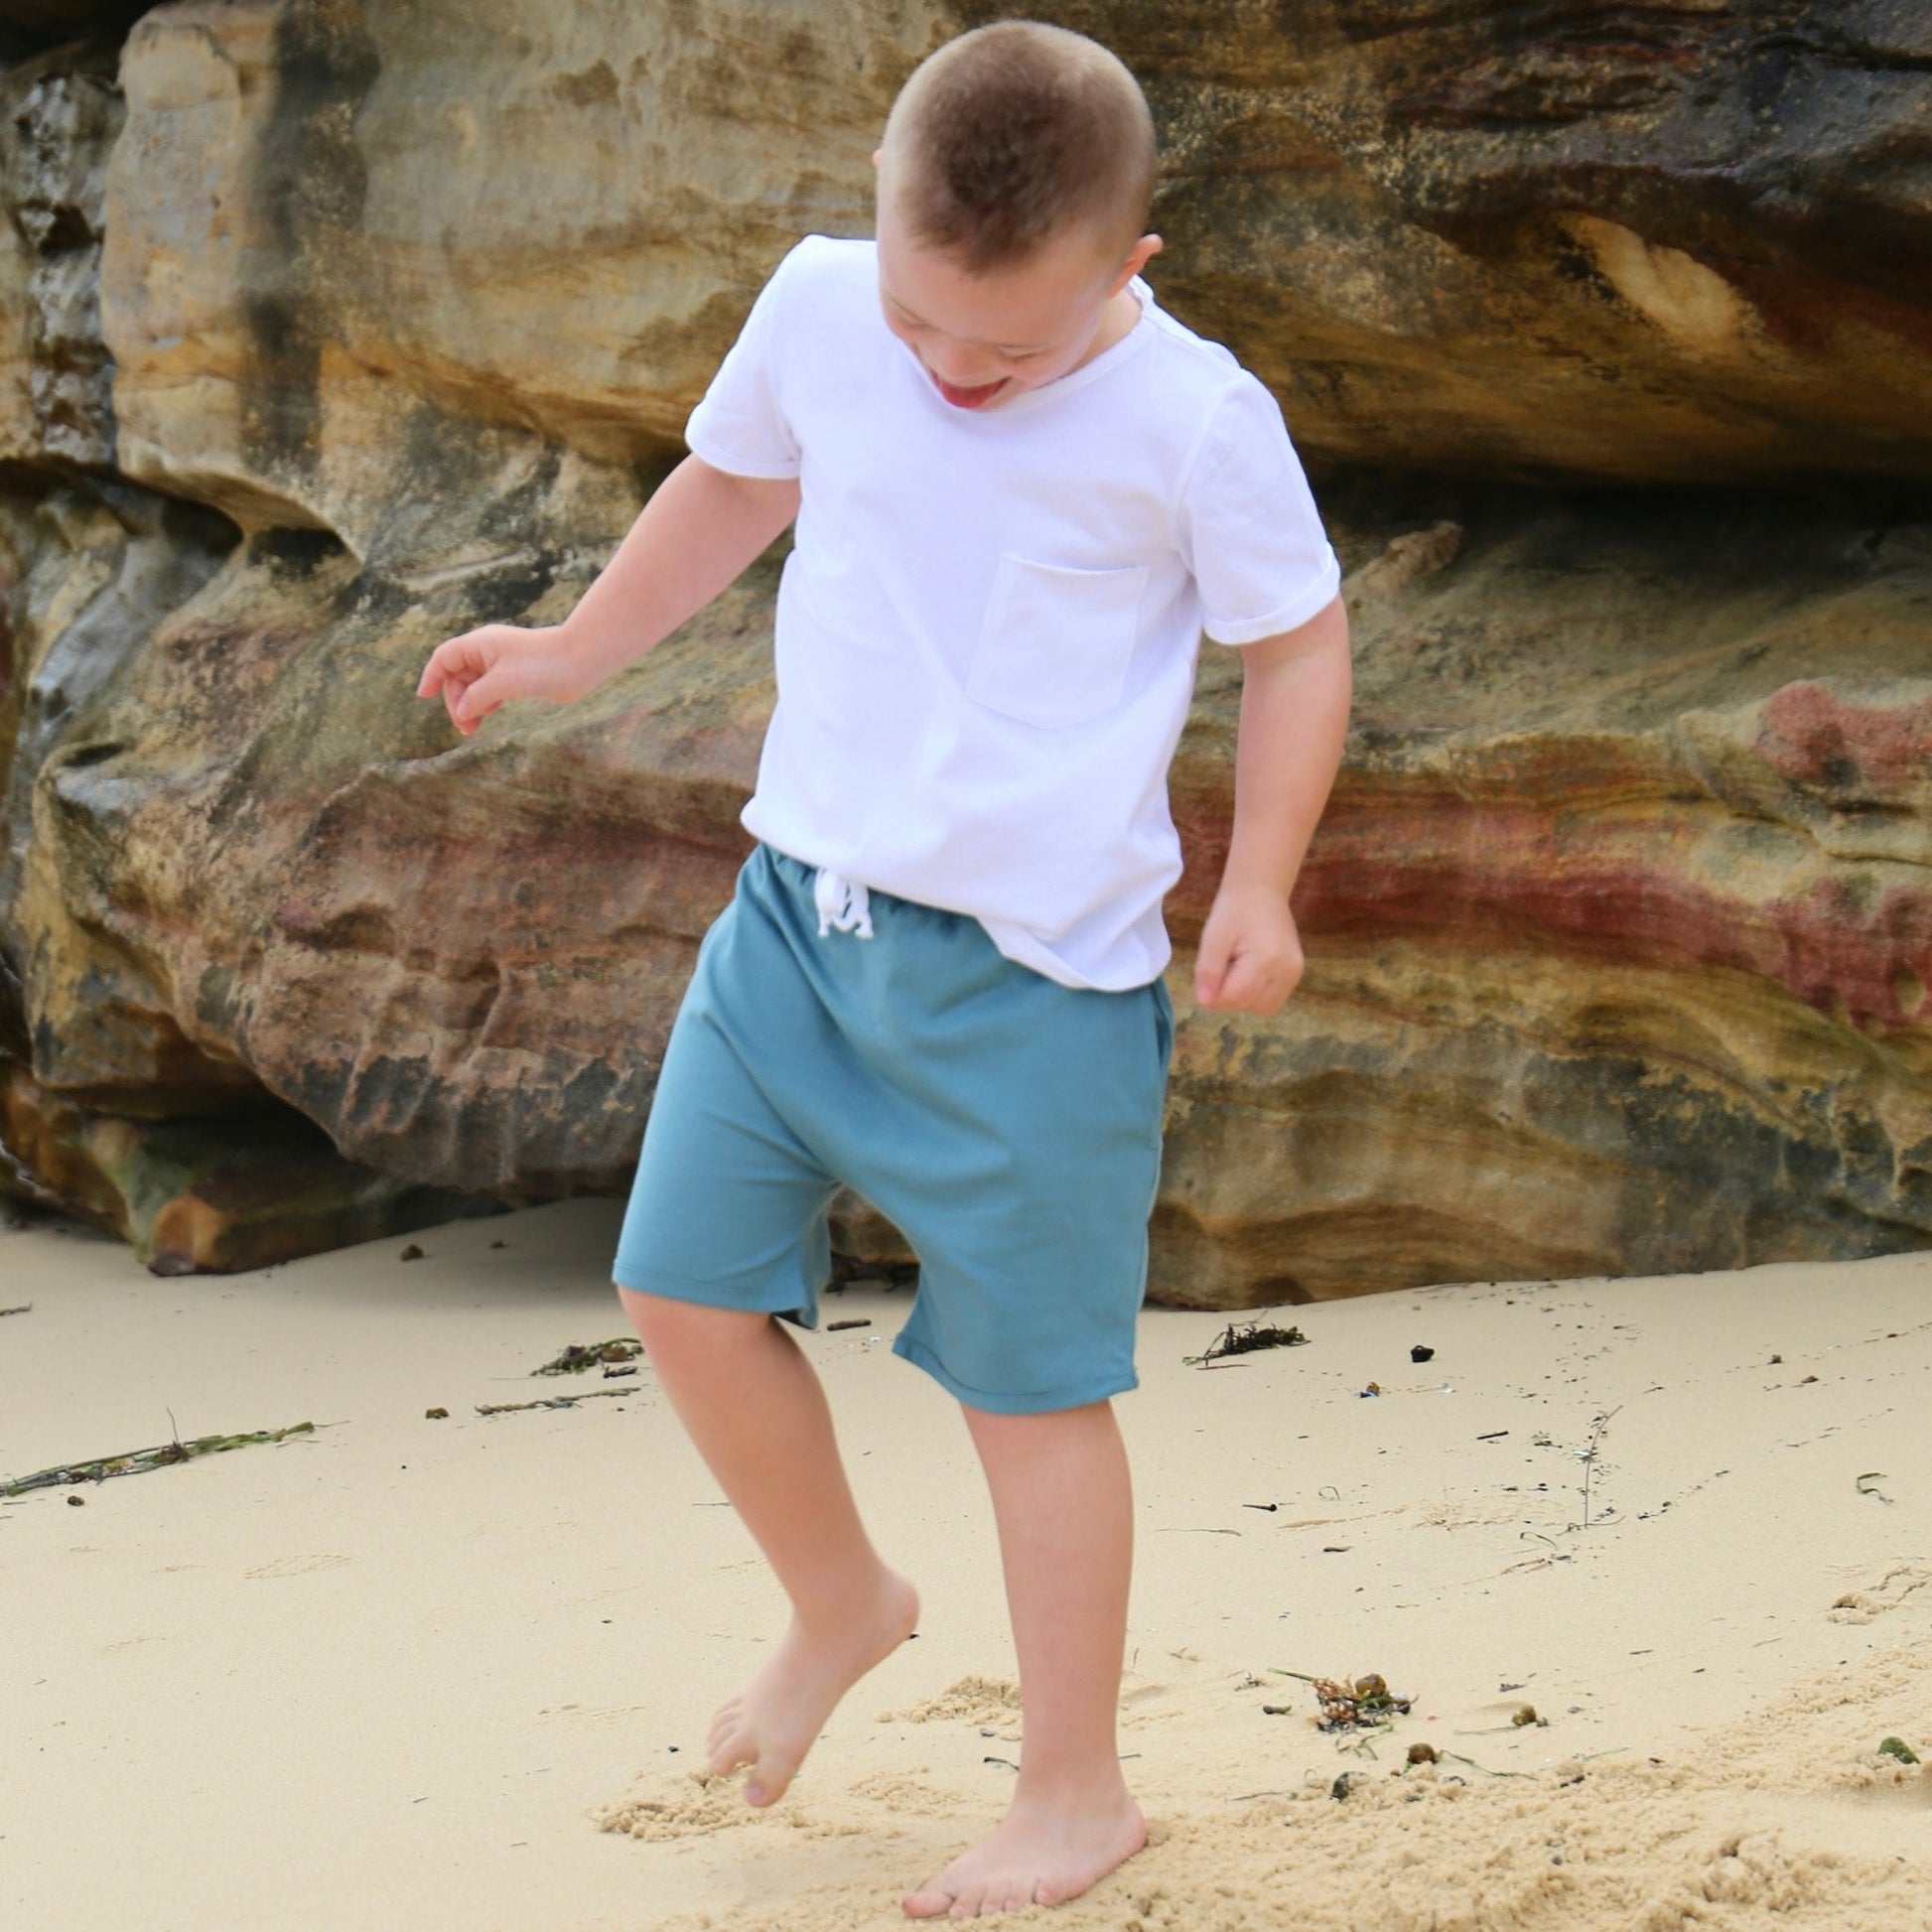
(400, 1671)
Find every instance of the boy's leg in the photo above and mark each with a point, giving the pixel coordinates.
(1062, 1498)
(757, 1411)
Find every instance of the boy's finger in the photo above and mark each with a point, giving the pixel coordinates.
(445, 664)
(1210, 968)
(480, 698)
(1243, 984)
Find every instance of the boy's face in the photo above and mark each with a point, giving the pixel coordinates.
(985, 338)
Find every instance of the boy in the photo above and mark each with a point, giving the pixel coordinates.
(1019, 489)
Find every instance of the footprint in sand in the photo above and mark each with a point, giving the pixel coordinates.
(279, 1566)
(1874, 1599)
(901, 1793)
(595, 1714)
(697, 1805)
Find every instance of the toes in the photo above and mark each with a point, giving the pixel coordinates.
(929, 1902)
(983, 1901)
(766, 1780)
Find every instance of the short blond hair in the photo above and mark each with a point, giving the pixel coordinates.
(1013, 134)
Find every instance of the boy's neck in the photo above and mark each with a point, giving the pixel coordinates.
(1117, 319)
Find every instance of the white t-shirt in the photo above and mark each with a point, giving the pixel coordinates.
(987, 626)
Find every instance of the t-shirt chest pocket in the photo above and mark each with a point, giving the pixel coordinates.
(1054, 643)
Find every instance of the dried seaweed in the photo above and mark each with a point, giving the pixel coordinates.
(1236, 1340)
(1365, 1703)
(135, 1462)
(580, 1357)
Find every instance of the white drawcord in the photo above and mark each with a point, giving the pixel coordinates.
(841, 904)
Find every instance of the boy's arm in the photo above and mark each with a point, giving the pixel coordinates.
(699, 530)
(1294, 718)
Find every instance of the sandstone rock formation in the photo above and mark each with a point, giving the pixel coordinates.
(1680, 239)
(1621, 925)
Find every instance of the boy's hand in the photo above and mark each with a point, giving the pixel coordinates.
(1250, 954)
(486, 667)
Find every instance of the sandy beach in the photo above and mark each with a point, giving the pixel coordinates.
(405, 1670)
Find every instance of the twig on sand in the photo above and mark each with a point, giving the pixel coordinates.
(1456, 1757)
(136, 1461)
(25, 1307)
(549, 1401)
(1596, 1430)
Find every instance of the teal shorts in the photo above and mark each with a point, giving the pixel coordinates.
(1008, 1125)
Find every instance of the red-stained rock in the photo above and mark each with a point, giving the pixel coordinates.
(1602, 976)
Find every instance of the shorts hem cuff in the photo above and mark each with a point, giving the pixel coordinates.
(676, 1288)
(1000, 1402)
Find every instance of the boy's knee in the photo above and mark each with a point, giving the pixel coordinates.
(1019, 1425)
(664, 1323)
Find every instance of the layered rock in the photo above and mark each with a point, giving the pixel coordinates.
(336, 228)
(1676, 239)
(1631, 975)
(59, 116)
(1684, 239)
(1620, 923)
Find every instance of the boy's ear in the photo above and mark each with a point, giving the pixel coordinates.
(878, 155)
(1137, 257)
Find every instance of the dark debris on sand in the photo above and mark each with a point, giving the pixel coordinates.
(1237, 1339)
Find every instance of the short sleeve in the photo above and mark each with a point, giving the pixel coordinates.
(740, 424)
(1248, 526)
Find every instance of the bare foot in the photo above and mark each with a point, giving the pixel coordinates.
(775, 1718)
(1040, 1853)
